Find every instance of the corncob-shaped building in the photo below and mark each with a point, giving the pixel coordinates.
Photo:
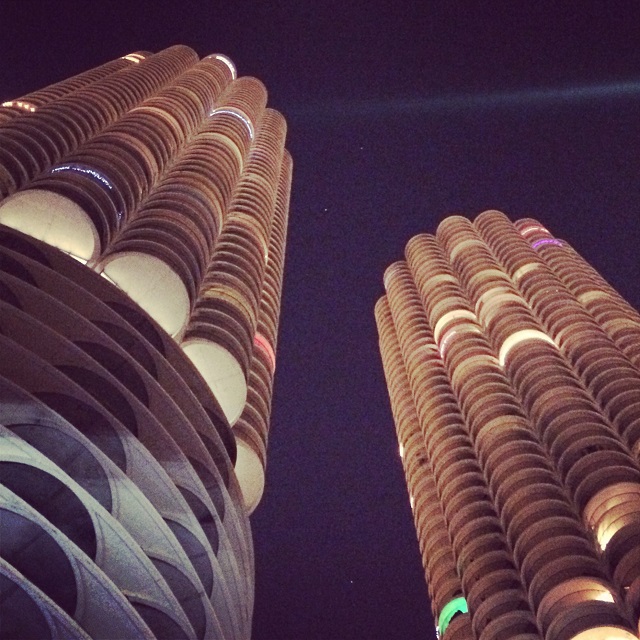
(514, 375)
(143, 217)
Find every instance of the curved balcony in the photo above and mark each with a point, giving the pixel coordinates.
(54, 219)
(583, 609)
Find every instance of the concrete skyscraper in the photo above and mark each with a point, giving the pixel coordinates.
(514, 375)
(143, 217)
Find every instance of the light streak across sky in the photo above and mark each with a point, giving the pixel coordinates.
(540, 97)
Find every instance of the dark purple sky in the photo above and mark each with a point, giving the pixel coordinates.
(397, 117)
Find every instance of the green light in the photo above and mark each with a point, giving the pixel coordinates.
(457, 605)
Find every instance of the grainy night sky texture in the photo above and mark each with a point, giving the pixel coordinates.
(399, 114)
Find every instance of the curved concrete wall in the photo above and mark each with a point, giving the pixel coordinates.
(165, 174)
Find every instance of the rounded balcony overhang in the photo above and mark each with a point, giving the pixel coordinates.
(153, 285)
(222, 373)
(251, 476)
(54, 219)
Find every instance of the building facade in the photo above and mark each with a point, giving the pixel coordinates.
(143, 218)
(513, 370)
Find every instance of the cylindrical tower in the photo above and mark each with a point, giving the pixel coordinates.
(538, 359)
(131, 196)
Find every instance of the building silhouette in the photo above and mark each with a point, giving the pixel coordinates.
(143, 217)
(513, 370)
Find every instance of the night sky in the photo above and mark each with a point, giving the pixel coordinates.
(399, 114)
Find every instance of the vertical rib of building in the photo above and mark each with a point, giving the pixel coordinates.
(224, 318)
(118, 463)
(198, 184)
(252, 429)
(445, 588)
(133, 152)
(548, 401)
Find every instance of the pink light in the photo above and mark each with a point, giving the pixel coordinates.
(263, 344)
(445, 340)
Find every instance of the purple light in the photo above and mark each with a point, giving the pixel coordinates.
(74, 166)
(92, 173)
(538, 243)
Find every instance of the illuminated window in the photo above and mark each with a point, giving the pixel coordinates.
(100, 178)
(232, 111)
(78, 258)
(448, 336)
(133, 57)
(525, 269)
(26, 106)
(449, 317)
(610, 508)
(490, 302)
(517, 338)
(605, 633)
(588, 296)
(83, 169)
(461, 246)
(445, 341)
(106, 277)
(226, 61)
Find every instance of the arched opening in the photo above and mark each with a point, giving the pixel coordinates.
(39, 558)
